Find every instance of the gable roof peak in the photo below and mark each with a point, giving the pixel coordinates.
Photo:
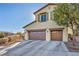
(44, 7)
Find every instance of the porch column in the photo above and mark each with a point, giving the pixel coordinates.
(26, 35)
(48, 35)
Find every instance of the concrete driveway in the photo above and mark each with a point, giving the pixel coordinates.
(40, 48)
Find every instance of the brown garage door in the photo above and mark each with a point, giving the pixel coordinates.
(38, 35)
(56, 35)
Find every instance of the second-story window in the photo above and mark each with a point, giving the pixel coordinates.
(43, 17)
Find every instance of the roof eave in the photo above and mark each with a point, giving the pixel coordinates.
(29, 24)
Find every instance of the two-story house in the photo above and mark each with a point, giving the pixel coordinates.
(44, 28)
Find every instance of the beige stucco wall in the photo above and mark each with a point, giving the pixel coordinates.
(26, 35)
(47, 9)
(43, 25)
(48, 35)
(70, 31)
(48, 24)
(65, 34)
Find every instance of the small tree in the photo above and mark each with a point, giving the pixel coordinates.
(21, 34)
(1, 34)
(67, 15)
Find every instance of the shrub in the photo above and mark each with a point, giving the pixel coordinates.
(2, 41)
(21, 34)
(1, 35)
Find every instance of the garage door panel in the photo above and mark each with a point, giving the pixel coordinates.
(37, 35)
(56, 35)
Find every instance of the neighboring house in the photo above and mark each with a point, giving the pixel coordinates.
(44, 28)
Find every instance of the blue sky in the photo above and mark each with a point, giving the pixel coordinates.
(14, 16)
